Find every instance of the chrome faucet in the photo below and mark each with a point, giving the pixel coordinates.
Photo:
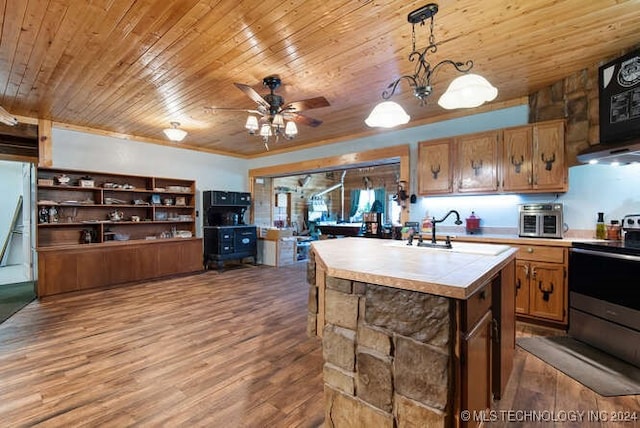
(434, 221)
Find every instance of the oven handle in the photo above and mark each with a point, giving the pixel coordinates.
(608, 255)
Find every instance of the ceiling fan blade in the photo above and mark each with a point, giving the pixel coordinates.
(214, 109)
(308, 104)
(304, 120)
(251, 93)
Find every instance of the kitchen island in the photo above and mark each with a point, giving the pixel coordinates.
(411, 335)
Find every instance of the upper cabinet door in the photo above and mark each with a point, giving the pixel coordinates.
(549, 161)
(517, 158)
(435, 169)
(477, 160)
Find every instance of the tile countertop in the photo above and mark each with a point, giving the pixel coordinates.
(448, 273)
(514, 239)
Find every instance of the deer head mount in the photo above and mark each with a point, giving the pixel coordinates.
(477, 167)
(435, 170)
(548, 162)
(517, 164)
(545, 293)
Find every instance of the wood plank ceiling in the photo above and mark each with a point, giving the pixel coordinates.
(132, 66)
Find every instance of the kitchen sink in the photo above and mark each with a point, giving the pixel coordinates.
(456, 247)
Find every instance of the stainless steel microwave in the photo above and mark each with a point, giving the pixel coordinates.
(540, 220)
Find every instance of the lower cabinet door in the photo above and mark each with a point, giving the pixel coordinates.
(476, 369)
(547, 291)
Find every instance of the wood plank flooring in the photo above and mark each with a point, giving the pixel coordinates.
(536, 386)
(216, 349)
(225, 349)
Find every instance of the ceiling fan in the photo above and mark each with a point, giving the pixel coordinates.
(276, 118)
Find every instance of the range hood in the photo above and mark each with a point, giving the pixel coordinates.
(616, 154)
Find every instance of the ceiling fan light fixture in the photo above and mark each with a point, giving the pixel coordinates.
(387, 114)
(278, 121)
(291, 130)
(265, 130)
(252, 124)
(467, 91)
(174, 133)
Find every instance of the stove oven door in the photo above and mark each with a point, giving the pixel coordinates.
(604, 301)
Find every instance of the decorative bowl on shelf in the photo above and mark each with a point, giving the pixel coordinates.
(63, 179)
(121, 237)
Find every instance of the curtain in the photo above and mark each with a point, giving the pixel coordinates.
(380, 194)
(355, 199)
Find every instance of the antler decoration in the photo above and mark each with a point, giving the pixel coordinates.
(549, 162)
(517, 164)
(476, 167)
(435, 170)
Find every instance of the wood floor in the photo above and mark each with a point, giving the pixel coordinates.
(216, 350)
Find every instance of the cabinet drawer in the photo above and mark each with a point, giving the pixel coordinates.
(540, 253)
(476, 306)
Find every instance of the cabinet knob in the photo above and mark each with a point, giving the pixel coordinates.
(529, 250)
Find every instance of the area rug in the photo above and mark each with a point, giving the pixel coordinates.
(598, 371)
(14, 297)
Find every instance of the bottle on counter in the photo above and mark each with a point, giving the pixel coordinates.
(601, 231)
(426, 224)
(614, 231)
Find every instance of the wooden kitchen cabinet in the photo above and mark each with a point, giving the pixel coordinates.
(533, 158)
(435, 167)
(541, 283)
(477, 162)
(524, 159)
(488, 342)
(476, 389)
(64, 269)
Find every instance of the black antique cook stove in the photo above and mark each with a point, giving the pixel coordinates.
(604, 293)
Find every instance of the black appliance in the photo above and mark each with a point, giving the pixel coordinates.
(372, 224)
(604, 297)
(225, 208)
(226, 236)
(619, 83)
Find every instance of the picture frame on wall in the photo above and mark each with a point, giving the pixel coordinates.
(155, 199)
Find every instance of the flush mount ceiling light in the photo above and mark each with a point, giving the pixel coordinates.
(174, 133)
(462, 93)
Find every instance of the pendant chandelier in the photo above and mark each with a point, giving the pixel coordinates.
(466, 91)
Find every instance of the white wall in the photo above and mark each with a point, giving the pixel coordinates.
(592, 189)
(84, 151)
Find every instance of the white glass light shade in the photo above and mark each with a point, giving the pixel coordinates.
(387, 114)
(173, 133)
(291, 129)
(278, 121)
(265, 130)
(252, 124)
(467, 91)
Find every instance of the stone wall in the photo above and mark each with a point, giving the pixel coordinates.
(388, 355)
(574, 98)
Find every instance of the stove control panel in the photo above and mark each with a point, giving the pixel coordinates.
(631, 222)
